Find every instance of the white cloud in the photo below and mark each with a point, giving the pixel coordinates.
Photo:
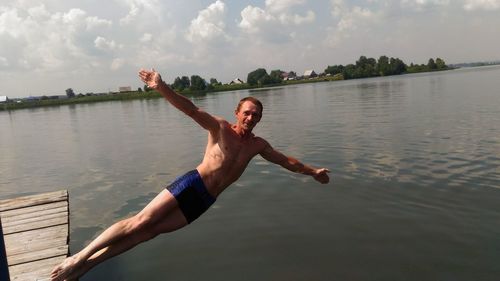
(252, 18)
(296, 19)
(349, 20)
(38, 12)
(278, 6)
(104, 44)
(74, 17)
(487, 5)
(276, 16)
(95, 23)
(138, 7)
(209, 24)
(354, 18)
(34, 38)
(10, 22)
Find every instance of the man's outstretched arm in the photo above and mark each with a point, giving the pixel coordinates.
(153, 80)
(294, 165)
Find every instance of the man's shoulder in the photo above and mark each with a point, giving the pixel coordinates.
(260, 141)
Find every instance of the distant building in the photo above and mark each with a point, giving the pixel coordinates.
(4, 99)
(125, 89)
(236, 81)
(288, 75)
(310, 73)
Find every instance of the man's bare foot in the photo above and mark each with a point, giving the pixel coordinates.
(61, 272)
(79, 271)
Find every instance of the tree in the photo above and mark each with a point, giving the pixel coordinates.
(383, 68)
(177, 84)
(197, 83)
(431, 64)
(181, 83)
(440, 64)
(334, 69)
(139, 89)
(365, 67)
(275, 76)
(258, 77)
(70, 93)
(214, 82)
(397, 66)
(349, 71)
(185, 81)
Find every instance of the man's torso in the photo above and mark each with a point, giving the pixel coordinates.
(226, 157)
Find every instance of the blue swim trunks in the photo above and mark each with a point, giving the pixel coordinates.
(191, 194)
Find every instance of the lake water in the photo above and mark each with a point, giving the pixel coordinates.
(414, 195)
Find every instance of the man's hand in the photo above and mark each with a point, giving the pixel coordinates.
(151, 78)
(321, 175)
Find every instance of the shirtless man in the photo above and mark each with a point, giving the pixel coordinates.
(229, 149)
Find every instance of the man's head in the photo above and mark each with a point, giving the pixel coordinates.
(253, 100)
(248, 113)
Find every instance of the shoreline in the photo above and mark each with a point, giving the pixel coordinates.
(134, 95)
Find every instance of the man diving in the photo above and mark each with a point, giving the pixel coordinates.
(230, 147)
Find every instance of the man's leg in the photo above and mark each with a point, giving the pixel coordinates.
(161, 215)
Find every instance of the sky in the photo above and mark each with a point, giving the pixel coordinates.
(97, 46)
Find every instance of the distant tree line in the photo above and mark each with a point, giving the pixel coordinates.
(364, 67)
(369, 67)
(259, 77)
(195, 83)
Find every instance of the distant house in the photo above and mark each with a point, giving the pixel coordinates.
(4, 99)
(236, 81)
(310, 74)
(125, 89)
(288, 75)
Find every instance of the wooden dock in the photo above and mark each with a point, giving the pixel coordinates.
(36, 234)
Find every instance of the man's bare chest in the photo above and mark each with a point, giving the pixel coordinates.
(236, 149)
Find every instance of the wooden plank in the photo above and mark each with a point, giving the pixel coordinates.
(28, 218)
(33, 200)
(38, 255)
(33, 271)
(27, 211)
(31, 217)
(36, 246)
(56, 219)
(36, 240)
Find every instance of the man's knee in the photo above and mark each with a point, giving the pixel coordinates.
(142, 228)
(138, 223)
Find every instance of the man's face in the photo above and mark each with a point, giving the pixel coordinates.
(248, 116)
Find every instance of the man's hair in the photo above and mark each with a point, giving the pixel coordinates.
(253, 100)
